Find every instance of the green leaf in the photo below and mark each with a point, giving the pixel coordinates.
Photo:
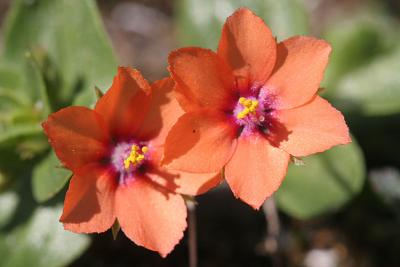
(8, 203)
(9, 78)
(200, 22)
(13, 134)
(35, 86)
(70, 36)
(374, 89)
(285, 17)
(49, 177)
(325, 183)
(356, 41)
(115, 229)
(13, 98)
(40, 241)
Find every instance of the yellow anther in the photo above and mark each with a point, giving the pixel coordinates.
(247, 102)
(250, 106)
(127, 163)
(136, 156)
(240, 115)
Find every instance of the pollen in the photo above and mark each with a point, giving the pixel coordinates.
(249, 107)
(136, 156)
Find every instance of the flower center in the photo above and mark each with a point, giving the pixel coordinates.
(249, 107)
(255, 113)
(136, 156)
(127, 157)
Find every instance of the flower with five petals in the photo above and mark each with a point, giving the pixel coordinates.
(114, 152)
(250, 106)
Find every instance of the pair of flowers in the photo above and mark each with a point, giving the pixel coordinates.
(245, 109)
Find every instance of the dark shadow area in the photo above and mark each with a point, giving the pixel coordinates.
(228, 234)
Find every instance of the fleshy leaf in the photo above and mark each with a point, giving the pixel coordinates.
(326, 182)
(357, 39)
(49, 177)
(372, 90)
(41, 242)
(77, 49)
(8, 203)
(200, 22)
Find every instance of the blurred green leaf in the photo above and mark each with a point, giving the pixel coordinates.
(356, 41)
(12, 99)
(49, 177)
(9, 78)
(285, 17)
(40, 241)
(70, 34)
(8, 203)
(13, 134)
(374, 89)
(35, 86)
(200, 22)
(324, 184)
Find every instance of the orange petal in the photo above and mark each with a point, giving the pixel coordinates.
(89, 202)
(299, 70)
(126, 103)
(202, 79)
(150, 216)
(256, 169)
(164, 111)
(201, 141)
(177, 181)
(77, 135)
(185, 183)
(314, 127)
(248, 46)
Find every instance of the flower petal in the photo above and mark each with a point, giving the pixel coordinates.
(248, 46)
(185, 183)
(314, 127)
(150, 216)
(201, 141)
(89, 202)
(125, 104)
(177, 181)
(164, 111)
(301, 62)
(256, 169)
(77, 135)
(202, 79)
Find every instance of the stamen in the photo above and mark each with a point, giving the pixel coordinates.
(136, 156)
(250, 107)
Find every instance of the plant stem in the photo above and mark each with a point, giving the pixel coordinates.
(192, 234)
(273, 229)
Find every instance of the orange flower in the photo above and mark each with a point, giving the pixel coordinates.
(114, 152)
(250, 106)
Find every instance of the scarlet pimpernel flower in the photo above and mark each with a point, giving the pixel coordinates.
(114, 152)
(250, 106)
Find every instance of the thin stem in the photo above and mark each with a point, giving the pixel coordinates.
(273, 229)
(192, 234)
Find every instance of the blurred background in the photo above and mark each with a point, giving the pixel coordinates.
(339, 208)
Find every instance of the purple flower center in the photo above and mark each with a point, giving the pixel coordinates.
(255, 112)
(128, 157)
